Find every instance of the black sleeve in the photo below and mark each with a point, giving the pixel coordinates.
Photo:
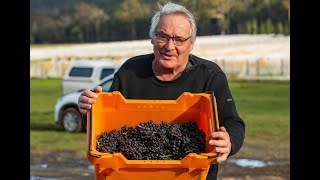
(227, 112)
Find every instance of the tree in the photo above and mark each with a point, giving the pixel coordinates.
(286, 4)
(130, 11)
(88, 20)
(279, 28)
(269, 26)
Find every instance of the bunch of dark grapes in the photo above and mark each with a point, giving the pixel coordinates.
(150, 141)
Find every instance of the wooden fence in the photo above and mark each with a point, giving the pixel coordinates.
(243, 69)
(263, 56)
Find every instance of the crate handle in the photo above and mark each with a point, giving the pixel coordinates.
(214, 120)
(90, 138)
(215, 156)
(214, 111)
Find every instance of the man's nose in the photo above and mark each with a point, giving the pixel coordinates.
(170, 44)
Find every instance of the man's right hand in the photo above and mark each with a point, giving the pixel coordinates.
(87, 98)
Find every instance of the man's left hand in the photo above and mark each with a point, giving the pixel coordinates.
(221, 140)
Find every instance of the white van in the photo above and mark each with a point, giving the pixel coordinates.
(84, 74)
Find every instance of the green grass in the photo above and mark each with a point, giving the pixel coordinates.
(45, 135)
(263, 105)
(45, 141)
(43, 96)
(265, 108)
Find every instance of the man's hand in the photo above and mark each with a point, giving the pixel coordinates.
(221, 140)
(87, 98)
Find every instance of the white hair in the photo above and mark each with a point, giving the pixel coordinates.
(172, 8)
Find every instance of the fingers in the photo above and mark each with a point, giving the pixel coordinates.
(89, 94)
(86, 99)
(223, 129)
(221, 140)
(221, 134)
(223, 147)
(98, 89)
(84, 108)
(218, 142)
(223, 157)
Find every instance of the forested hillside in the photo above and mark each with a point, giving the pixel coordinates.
(85, 21)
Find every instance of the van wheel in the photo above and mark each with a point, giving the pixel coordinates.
(72, 120)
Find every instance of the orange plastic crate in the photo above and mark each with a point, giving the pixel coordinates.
(111, 111)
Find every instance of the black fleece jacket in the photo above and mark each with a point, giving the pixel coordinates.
(136, 80)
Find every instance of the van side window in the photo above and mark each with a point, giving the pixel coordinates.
(81, 72)
(105, 72)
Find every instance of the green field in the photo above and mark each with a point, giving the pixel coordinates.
(264, 106)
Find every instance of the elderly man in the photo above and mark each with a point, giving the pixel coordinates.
(171, 70)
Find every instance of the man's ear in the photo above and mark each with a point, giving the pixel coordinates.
(191, 48)
(151, 41)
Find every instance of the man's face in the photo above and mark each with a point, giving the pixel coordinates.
(168, 54)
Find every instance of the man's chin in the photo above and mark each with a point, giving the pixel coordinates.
(167, 64)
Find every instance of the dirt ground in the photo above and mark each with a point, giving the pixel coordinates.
(64, 166)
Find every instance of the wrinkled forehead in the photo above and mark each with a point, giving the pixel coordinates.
(174, 24)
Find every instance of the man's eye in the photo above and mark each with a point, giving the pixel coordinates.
(163, 36)
(178, 39)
